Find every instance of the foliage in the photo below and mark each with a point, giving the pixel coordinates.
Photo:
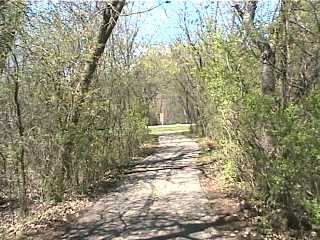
(314, 208)
(269, 141)
(214, 78)
(43, 68)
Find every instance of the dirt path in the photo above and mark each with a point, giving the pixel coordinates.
(161, 199)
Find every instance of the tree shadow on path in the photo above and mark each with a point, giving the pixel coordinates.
(164, 203)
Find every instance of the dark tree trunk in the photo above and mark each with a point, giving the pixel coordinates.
(268, 82)
(20, 148)
(110, 16)
(8, 30)
(268, 60)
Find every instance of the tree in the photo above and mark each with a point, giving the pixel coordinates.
(10, 22)
(110, 15)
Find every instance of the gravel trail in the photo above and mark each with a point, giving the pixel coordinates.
(160, 199)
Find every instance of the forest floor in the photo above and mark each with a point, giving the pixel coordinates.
(172, 194)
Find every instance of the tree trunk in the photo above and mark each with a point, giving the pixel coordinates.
(284, 53)
(268, 61)
(8, 28)
(268, 81)
(110, 16)
(20, 151)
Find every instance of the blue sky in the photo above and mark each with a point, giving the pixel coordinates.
(162, 24)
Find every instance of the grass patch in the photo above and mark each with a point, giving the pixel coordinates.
(169, 128)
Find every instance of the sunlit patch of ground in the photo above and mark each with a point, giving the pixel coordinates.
(173, 128)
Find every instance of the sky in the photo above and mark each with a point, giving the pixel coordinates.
(161, 25)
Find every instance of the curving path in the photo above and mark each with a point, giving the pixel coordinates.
(160, 199)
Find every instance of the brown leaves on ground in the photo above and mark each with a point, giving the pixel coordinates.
(42, 216)
(249, 220)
